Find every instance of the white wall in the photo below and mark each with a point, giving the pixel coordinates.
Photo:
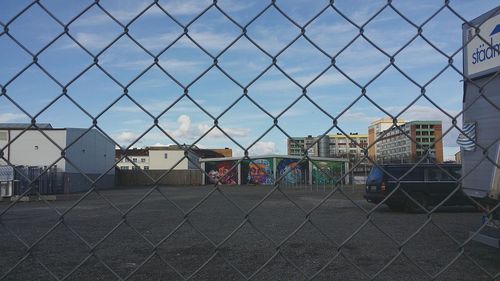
(157, 160)
(93, 153)
(32, 148)
(126, 163)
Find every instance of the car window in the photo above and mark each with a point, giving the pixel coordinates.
(456, 173)
(417, 174)
(437, 174)
(376, 176)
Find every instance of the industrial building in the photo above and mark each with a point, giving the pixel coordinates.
(87, 154)
(166, 157)
(395, 147)
(334, 146)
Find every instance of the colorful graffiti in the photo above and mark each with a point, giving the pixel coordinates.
(294, 171)
(258, 171)
(324, 172)
(221, 172)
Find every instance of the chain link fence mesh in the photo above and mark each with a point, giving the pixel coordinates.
(149, 249)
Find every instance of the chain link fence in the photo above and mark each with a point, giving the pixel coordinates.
(38, 243)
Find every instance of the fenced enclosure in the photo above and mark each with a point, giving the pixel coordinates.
(252, 76)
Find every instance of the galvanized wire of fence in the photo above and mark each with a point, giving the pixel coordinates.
(277, 187)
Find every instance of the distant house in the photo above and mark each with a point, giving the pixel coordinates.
(76, 153)
(166, 157)
(458, 157)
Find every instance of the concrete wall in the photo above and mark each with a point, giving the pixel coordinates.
(93, 153)
(32, 148)
(175, 177)
(157, 160)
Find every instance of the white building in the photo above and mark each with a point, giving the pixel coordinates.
(155, 158)
(74, 151)
(166, 157)
(138, 159)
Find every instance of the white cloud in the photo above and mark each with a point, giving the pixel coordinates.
(10, 117)
(187, 130)
(327, 79)
(161, 144)
(216, 133)
(122, 15)
(184, 129)
(126, 137)
(89, 40)
(263, 148)
(358, 115)
(173, 7)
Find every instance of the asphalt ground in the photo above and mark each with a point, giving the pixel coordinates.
(276, 241)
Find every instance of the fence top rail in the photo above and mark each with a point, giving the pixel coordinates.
(314, 158)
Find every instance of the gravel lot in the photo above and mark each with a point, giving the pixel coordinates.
(271, 230)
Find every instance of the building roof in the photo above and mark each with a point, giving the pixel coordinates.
(432, 122)
(132, 152)
(386, 120)
(202, 153)
(170, 147)
(22, 126)
(350, 135)
(314, 158)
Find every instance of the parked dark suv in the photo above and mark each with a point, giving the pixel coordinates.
(429, 184)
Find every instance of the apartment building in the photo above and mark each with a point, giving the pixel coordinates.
(348, 146)
(396, 147)
(335, 146)
(375, 129)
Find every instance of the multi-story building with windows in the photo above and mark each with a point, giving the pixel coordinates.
(138, 159)
(297, 146)
(348, 146)
(375, 129)
(335, 146)
(394, 146)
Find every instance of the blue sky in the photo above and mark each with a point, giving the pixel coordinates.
(155, 91)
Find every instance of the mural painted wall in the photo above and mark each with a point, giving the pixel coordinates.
(297, 174)
(258, 171)
(220, 170)
(326, 172)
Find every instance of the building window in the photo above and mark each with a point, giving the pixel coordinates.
(165, 155)
(124, 167)
(136, 168)
(146, 167)
(134, 160)
(143, 160)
